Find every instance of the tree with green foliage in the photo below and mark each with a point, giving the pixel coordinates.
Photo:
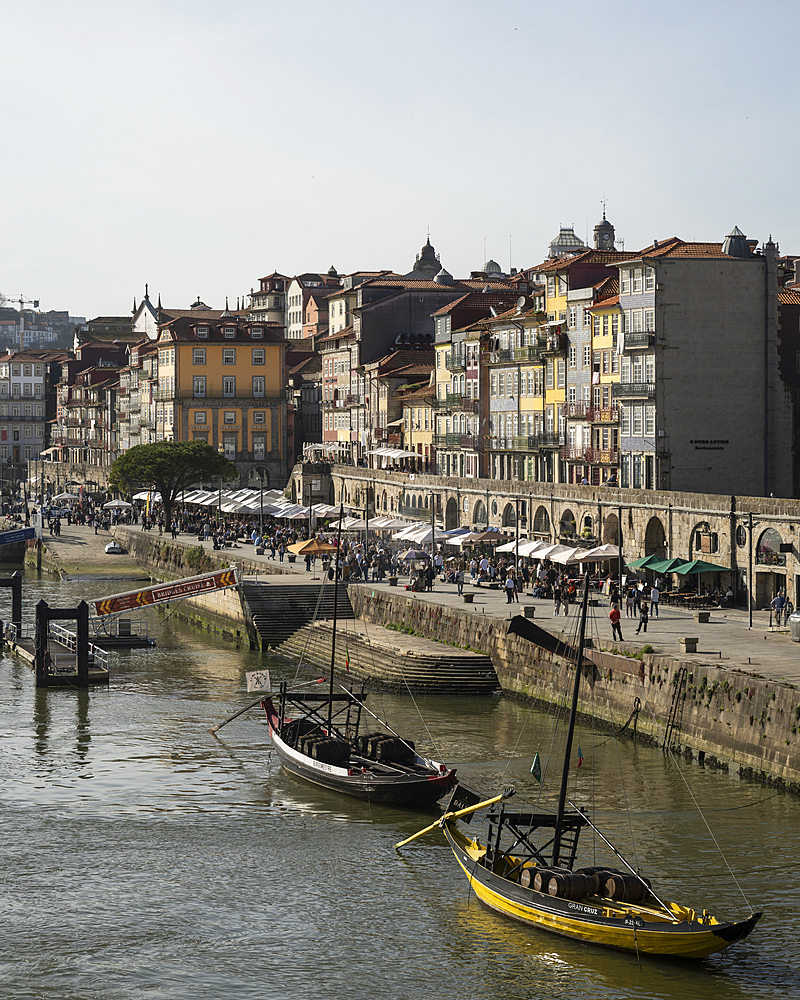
(170, 467)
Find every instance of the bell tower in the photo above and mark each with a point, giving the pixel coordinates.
(604, 234)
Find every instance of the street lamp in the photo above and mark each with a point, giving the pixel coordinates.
(221, 450)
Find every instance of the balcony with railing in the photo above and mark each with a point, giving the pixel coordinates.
(594, 414)
(590, 456)
(529, 353)
(554, 344)
(642, 389)
(602, 456)
(639, 338)
(456, 362)
(527, 442)
(500, 357)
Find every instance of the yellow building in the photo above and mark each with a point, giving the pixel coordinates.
(221, 380)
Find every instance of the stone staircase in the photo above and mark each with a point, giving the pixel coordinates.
(278, 609)
(392, 661)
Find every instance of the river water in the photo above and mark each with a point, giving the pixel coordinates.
(143, 857)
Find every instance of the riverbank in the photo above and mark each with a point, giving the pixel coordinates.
(741, 702)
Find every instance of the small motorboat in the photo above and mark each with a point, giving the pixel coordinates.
(114, 549)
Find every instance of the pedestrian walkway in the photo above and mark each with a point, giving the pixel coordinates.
(725, 640)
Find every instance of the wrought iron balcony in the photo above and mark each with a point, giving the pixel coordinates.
(456, 362)
(642, 389)
(639, 338)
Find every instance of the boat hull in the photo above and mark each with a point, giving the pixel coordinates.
(419, 789)
(632, 928)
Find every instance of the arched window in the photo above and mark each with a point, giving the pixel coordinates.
(541, 521)
(768, 552)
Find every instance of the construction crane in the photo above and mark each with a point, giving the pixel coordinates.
(21, 301)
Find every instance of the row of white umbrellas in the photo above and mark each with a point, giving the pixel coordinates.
(566, 555)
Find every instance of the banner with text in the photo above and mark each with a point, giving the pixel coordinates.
(164, 592)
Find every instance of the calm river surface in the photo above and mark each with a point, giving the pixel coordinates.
(143, 857)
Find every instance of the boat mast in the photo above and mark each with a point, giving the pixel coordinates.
(335, 609)
(562, 796)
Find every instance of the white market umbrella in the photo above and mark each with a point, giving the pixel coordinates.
(65, 496)
(602, 552)
(117, 505)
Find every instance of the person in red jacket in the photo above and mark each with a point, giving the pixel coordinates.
(616, 628)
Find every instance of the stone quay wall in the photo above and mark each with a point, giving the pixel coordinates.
(734, 718)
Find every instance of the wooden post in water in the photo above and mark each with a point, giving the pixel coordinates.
(40, 647)
(16, 599)
(82, 643)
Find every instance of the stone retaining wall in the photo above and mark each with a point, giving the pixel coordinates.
(743, 719)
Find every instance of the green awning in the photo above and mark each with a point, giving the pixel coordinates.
(646, 562)
(668, 565)
(700, 566)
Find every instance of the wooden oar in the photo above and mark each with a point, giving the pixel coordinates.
(454, 815)
(253, 704)
(236, 715)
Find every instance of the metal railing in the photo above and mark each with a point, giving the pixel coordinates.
(624, 389)
(639, 338)
(70, 641)
(455, 362)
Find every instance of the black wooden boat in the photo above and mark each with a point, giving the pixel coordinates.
(319, 738)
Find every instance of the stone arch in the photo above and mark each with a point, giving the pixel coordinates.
(541, 521)
(587, 526)
(509, 516)
(655, 539)
(567, 524)
(479, 514)
(611, 533)
(384, 499)
(703, 541)
(451, 514)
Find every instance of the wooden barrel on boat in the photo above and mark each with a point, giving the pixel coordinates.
(626, 888)
(568, 885)
(393, 749)
(596, 879)
(363, 741)
(331, 751)
(526, 876)
(541, 877)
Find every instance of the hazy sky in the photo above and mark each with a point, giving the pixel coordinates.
(198, 146)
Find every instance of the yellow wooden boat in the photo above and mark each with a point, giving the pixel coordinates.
(526, 870)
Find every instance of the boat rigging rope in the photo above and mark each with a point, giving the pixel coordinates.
(675, 761)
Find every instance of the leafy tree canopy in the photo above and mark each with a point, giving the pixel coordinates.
(169, 467)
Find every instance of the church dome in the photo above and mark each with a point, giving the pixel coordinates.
(492, 267)
(443, 277)
(735, 244)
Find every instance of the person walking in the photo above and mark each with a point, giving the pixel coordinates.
(629, 602)
(643, 617)
(556, 600)
(616, 628)
(510, 588)
(654, 596)
(460, 580)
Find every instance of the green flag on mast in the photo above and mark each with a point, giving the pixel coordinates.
(536, 768)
